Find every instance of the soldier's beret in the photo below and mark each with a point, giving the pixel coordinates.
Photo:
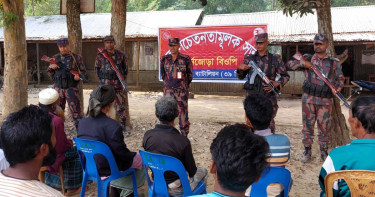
(173, 41)
(320, 38)
(263, 37)
(62, 42)
(109, 38)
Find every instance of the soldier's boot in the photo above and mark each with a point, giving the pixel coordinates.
(306, 156)
(323, 152)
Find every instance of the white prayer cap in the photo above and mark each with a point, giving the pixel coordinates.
(48, 96)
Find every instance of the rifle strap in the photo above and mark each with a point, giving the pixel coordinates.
(106, 56)
(75, 62)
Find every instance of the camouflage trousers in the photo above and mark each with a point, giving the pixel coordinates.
(120, 107)
(275, 108)
(312, 113)
(71, 95)
(181, 96)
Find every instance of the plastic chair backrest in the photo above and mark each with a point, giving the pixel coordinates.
(160, 164)
(90, 148)
(271, 175)
(360, 182)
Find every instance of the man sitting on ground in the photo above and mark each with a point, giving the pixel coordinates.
(98, 126)
(359, 154)
(259, 112)
(28, 140)
(238, 160)
(67, 155)
(165, 139)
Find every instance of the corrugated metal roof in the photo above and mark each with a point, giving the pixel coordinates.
(348, 24)
(138, 24)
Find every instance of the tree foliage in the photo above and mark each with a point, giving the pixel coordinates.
(52, 7)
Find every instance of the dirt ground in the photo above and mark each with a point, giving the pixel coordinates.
(208, 114)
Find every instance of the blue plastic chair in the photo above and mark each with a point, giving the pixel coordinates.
(90, 148)
(160, 164)
(271, 175)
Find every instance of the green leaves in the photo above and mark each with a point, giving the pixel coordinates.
(7, 18)
(303, 7)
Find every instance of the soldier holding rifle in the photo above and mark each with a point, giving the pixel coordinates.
(65, 83)
(111, 68)
(317, 95)
(271, 65)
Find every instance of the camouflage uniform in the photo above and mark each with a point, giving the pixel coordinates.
(277, 67)
(64, 82)
(178, 88)
(107, 76)
(318, 108)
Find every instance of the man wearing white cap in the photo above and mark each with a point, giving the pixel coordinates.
(66, 153)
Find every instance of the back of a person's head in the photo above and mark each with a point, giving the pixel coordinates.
(166, 109)
(23, 132)
(259, 111)
(363, 108)
(240, 157)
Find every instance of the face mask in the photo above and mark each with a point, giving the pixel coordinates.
(51, 157)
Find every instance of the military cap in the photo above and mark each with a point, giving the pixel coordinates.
(173, 41)
(261, 37)
(62, 42)
(320, 38)
(109, 38)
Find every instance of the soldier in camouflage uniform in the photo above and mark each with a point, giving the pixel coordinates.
(317, 97)
(271, 65)
(107, 76)
(177, 73)
(66, 83)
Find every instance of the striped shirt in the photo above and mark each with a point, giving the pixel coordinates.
(13, 187)
(279, 147)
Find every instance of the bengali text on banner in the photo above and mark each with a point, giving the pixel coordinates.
(215, 51)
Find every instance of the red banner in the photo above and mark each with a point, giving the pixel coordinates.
(215, 51)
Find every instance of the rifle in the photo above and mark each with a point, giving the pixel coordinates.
(120, 77)
(260, 73)
(322, 76)
(62, 65)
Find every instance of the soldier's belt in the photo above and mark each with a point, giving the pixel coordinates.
(317, 90)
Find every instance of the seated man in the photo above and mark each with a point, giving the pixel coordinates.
(67, 155)
(259, 112)
(359, 154)
(28, 140)
(238, 160)
(98, 126)
(166, 139)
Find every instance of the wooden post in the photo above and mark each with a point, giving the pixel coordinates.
(38, 62)
(138, 56)
(296, 48)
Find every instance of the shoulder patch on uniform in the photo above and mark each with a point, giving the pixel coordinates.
(334, 59)
(183, 55)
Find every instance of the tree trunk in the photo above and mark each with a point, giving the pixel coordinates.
(73, 21)
(118, 24)
(339, 134)
(15, 72)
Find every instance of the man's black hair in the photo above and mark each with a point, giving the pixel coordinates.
(259, 111)
(363, 108)
(240, 157)
(23, 133)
